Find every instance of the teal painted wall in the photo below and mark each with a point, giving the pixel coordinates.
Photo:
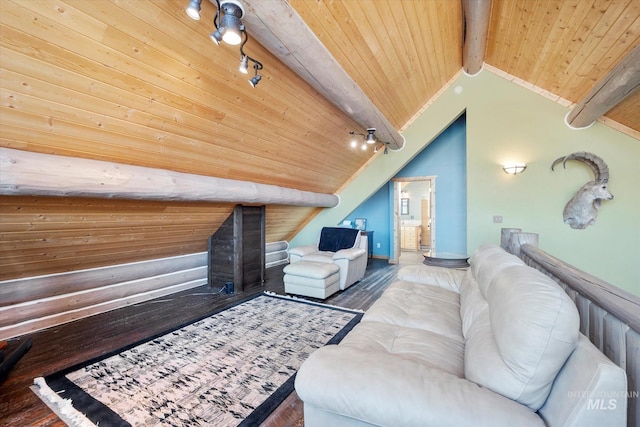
(506, 122)
(444, 158)
(376, 210)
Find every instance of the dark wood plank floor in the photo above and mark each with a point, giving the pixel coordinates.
(64, 346)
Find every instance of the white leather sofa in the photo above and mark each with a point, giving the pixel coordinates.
(345, 247)
(496, 345)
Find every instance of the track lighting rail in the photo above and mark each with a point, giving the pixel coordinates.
(229, 29)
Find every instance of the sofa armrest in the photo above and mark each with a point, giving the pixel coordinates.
(590, 390)
(382, 389)
(350, 254)
(446, 278)
(297, 253)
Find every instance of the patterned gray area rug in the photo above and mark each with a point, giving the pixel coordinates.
(232, 368)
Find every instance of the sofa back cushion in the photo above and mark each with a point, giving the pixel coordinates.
(519, 341)
(486, 262)
(472, 302)
(332, 239)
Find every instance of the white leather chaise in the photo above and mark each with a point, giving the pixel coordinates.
(344, 247)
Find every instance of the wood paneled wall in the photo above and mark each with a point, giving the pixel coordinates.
(44, 235)
(41, 235)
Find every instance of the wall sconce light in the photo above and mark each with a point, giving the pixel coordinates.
(229, 29)
(514, 169)
(368, 139)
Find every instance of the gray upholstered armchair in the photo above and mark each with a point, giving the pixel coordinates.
(345, 247)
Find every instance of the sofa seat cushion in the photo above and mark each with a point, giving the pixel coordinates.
(446, 278)
(420, 346)
(382, 389)
(419, 306)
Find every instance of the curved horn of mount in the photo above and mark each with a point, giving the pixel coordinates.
(597, 165)
(582, 210)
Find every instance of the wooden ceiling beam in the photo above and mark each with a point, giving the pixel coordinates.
(618, 84)
(281, 30)
(476, 26)
(26, 173)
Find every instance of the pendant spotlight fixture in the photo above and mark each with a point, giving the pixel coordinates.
(371, 136)
(355, 142)
(379, 146)
(244, 64)
(193, 10)
(229, 29)
(368, 139)
(253, 81)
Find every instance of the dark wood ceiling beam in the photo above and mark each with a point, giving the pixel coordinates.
(279, 28)
(476, 26)
(617, 85)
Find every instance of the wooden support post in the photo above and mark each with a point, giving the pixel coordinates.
(476, 21)
(516, 240)
(505, 234)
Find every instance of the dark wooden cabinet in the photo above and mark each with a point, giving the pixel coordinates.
(237, 250)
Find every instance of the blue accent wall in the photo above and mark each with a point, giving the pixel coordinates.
(445, 158)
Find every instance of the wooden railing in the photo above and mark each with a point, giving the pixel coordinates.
(609, 316)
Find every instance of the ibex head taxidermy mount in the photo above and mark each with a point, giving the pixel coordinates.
(582, 210)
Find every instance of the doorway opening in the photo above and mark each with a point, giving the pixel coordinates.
(414, 223)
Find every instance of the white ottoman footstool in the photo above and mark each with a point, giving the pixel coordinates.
(312, 279)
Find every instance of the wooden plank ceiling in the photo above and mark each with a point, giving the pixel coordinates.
(566, 46)
(401, 52)
(138, 82)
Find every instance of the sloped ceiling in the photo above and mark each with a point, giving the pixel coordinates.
(402, 52)
(399, 52)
